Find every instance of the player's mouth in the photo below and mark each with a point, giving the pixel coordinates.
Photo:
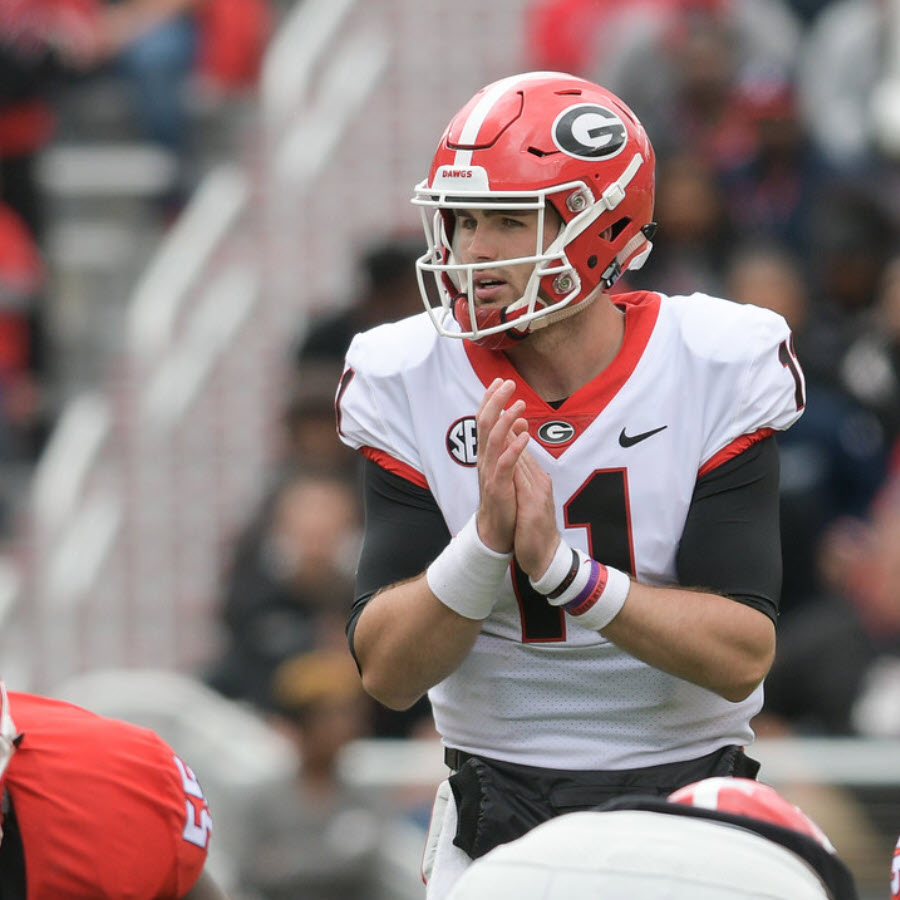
(489, 288)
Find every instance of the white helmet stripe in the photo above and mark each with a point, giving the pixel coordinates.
(491, 97)
(706, 793)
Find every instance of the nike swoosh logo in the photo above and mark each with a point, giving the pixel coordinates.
(626, 440)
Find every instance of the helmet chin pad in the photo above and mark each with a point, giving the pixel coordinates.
(489, 319)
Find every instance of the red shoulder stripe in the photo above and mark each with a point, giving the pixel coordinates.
(737, 446)
(392, 464)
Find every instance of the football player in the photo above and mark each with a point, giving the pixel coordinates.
(96, 809)
(720, 837)
(572, 535)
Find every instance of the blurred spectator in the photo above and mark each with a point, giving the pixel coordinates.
(870, 368)
(766, 273)
(21, 282)
(22, 398)
(853, 234)
(309, 436)
(153, 45)
(834, 458)
(677, 61)
(233, 35)
(47, 46)
(841, 62)
(289, 583)
(591, 37)
(41, 41)
(167, 53)
(321, 841)
(807, 10)
(695, 234)
(837, 667)
(690, 106)
(388, 290)
(771, 189)
(159, 41)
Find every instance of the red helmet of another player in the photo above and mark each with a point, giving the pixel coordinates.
(538, 141)
(746, 797)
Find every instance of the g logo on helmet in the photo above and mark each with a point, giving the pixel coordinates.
(588, 131)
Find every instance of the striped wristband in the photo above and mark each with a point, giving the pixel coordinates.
(586, 589)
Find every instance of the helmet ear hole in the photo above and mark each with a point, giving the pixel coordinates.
(617, 228)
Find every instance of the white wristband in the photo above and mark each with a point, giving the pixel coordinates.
(466, 575)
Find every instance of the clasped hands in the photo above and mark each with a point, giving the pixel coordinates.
(516, 512)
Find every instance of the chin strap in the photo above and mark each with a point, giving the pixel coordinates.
(623, 260)
(567, 311)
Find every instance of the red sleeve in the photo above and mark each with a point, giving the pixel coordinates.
(104, 808)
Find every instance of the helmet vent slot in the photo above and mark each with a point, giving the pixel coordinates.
(617, 227)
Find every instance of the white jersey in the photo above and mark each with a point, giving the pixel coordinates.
(696, 380)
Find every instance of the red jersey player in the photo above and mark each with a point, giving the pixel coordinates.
(96, 809)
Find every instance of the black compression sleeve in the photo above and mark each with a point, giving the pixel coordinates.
(731, 542)
(405, 531)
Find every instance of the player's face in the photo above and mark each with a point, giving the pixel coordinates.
(487, 235)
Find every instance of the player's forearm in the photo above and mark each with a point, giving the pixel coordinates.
(406, 641)
(709, 640)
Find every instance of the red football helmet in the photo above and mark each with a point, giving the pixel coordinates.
(746, 797)
(526, 142)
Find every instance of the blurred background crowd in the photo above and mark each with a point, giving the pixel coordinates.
(777, 130)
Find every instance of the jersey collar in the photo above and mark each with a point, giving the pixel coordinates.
(581, 408)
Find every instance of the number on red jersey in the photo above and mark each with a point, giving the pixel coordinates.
(197, 818)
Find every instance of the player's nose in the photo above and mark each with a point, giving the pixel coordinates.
(482, 245)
